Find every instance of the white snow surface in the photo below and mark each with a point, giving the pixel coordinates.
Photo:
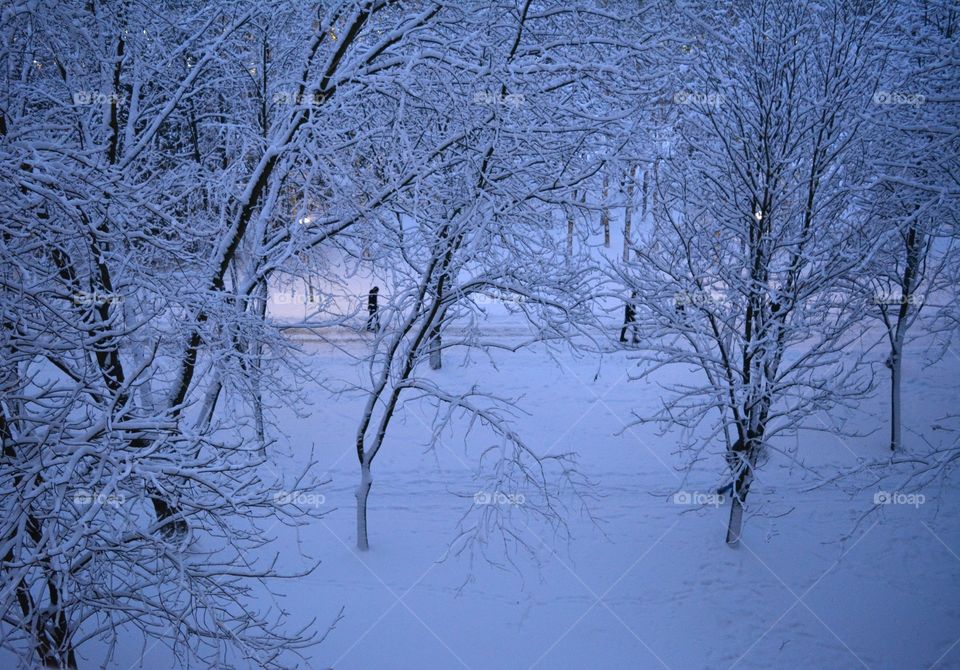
(653, 585)
(649, 583)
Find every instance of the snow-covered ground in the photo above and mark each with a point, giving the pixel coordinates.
(652, 584)
(819, 579)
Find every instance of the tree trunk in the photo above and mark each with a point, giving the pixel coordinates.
(263, 294)
(643, 202)
(434, 345)
(605, 211)
(653, 196)
(738, 499)
(735, 525)
(896, 364)
(628, 213)
(53, 643)
(908, 284)
(436, 361)
(743, 458)
(363, 492)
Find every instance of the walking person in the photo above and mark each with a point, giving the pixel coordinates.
(373, 310)
(630, 319)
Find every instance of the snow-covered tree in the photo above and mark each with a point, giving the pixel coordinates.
(489, 220)
(155, 175)
(915, 193)
(743, 273)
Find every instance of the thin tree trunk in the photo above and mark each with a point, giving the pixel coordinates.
(896, 364)
(656, 180)
(643, 202)
(908, 283)
(605, 210)
(436, 361)
(262, 293)
(434, 347)
(628, 213)
(363, 492)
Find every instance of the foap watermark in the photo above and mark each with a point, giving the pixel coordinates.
(692, 98)
(897, 299)
(299, 498)
(510, 99)
(94, 299)
(898, 498)
(496, 297)
(288, 298)
(98, 98)
(699, 498)
(498, 498)
(694, 299)
(85, 497)
(897, 98)
(299, 99)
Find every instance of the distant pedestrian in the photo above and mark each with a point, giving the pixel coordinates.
(373, 310)
(630, 319)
